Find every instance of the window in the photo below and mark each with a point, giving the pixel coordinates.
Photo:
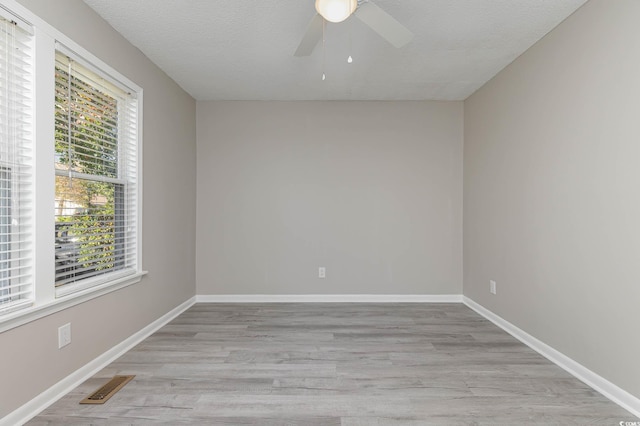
(69, 172)
(95, 182)
(16, 191)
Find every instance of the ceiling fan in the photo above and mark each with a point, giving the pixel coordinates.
(338, 10)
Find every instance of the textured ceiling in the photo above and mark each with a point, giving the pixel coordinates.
(243, 49)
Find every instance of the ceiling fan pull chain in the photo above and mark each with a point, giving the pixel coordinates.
(324, 24)
(350, 23)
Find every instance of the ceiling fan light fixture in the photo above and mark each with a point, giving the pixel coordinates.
(336, 10)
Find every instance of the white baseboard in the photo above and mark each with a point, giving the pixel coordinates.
(329, 298)
(64, 386)
(597, 382)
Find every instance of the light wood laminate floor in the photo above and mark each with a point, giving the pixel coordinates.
(335, 364)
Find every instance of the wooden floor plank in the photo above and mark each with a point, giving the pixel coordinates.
(335, 364)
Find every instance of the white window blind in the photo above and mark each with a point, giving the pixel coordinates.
(16, 177)
(96, 158)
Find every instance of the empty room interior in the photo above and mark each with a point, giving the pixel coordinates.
(331, 212)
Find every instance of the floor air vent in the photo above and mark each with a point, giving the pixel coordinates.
(107, 391)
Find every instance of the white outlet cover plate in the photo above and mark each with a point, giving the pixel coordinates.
(64, 335)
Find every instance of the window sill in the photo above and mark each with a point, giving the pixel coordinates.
(26, 315)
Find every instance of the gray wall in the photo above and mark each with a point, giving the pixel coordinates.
(370, 190)
(168, 223)
(552, 191)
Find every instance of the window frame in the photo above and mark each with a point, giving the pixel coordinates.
(122, 179)
(14, 170)
(47, 40)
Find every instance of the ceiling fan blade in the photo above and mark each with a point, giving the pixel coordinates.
(311, 37)
(384, 24)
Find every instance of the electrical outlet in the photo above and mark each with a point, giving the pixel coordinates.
(322, 272)
(64, 335)
(492, 286)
